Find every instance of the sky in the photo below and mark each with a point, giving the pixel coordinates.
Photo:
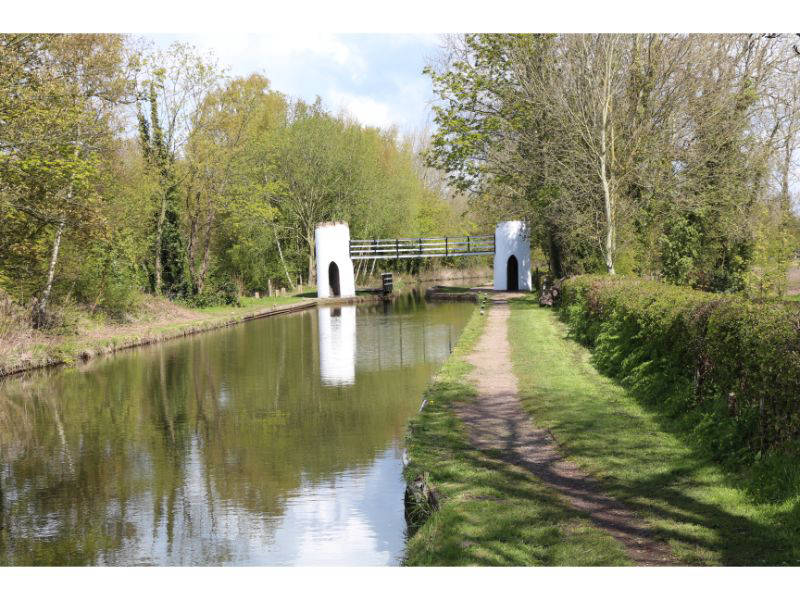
(377, 78)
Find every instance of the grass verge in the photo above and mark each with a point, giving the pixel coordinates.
(159, 320)
(490, 512)
(642, 457)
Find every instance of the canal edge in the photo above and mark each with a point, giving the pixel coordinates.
(87, 353)
(421, 498)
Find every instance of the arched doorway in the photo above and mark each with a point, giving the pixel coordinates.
(512, 274)
(333, 279)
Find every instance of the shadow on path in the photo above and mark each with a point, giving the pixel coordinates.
(496, 422)
(665, 483)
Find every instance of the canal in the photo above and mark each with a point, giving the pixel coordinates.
(274, 442)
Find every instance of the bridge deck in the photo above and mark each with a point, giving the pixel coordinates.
(441, 247)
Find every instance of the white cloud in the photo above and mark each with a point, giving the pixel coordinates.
(313, 45)
(281, 51)
(375, 78)
(365, 109)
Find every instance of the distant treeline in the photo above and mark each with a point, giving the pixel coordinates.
(668, 156)
(125, 169)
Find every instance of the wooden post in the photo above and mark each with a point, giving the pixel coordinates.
(467, 243)
(445, 247)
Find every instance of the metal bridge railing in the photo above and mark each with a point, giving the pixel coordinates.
(469, 245)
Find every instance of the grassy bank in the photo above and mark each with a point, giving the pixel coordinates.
(490, 513)
(156, 319)
(646, 457)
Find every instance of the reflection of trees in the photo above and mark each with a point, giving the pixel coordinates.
(160, 443)
(59, 478)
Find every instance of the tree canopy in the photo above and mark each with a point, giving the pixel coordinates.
(664, 155)
(125, 169)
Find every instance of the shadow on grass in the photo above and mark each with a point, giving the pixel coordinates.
(646, 458)
(493, 512)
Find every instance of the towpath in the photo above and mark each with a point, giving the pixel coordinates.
(497, 421)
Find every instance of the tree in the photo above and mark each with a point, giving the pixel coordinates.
(178, 82)
(60, 96)
(621, 149)
(229, 161)
(309, 164)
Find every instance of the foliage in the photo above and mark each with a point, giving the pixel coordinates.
(731, 363)
(644, 453)
(225, 293)
(57, 110)
(490, 513)
(654, 154)
(209, 188)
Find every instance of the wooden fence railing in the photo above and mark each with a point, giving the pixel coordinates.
(442, 247)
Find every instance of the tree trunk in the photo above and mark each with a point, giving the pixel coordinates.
(159, 233)
(609, 215)
(608, 204)
(280, 253)
(41, 309)
(787, 167)
(312, 274)
(201, 276)
(190, 254)
(372, 269)
(358, 270)
(191, 243)
(556, 268)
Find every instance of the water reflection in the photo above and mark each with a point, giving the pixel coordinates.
(223, 448)
(337, 345)
(390, 341)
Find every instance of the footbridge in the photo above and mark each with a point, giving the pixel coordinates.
(335, 253)
(442, 247)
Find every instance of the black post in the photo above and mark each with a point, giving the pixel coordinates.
(467, 243)
(445, 247)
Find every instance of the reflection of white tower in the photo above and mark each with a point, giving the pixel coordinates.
(337, 345)
(512, 256)
(335, 273)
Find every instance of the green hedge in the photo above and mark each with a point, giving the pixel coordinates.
(728, 367)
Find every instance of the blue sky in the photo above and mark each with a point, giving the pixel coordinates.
(375, 77)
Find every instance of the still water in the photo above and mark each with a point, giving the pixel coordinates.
(274, 442)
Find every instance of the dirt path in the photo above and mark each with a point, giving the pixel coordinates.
(497, 421)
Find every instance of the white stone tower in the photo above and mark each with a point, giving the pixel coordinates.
(335, 273)
(512, 256)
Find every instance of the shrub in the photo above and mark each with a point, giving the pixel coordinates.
(108, 284)
(226, 292)
(15, 329)
(727, 367)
